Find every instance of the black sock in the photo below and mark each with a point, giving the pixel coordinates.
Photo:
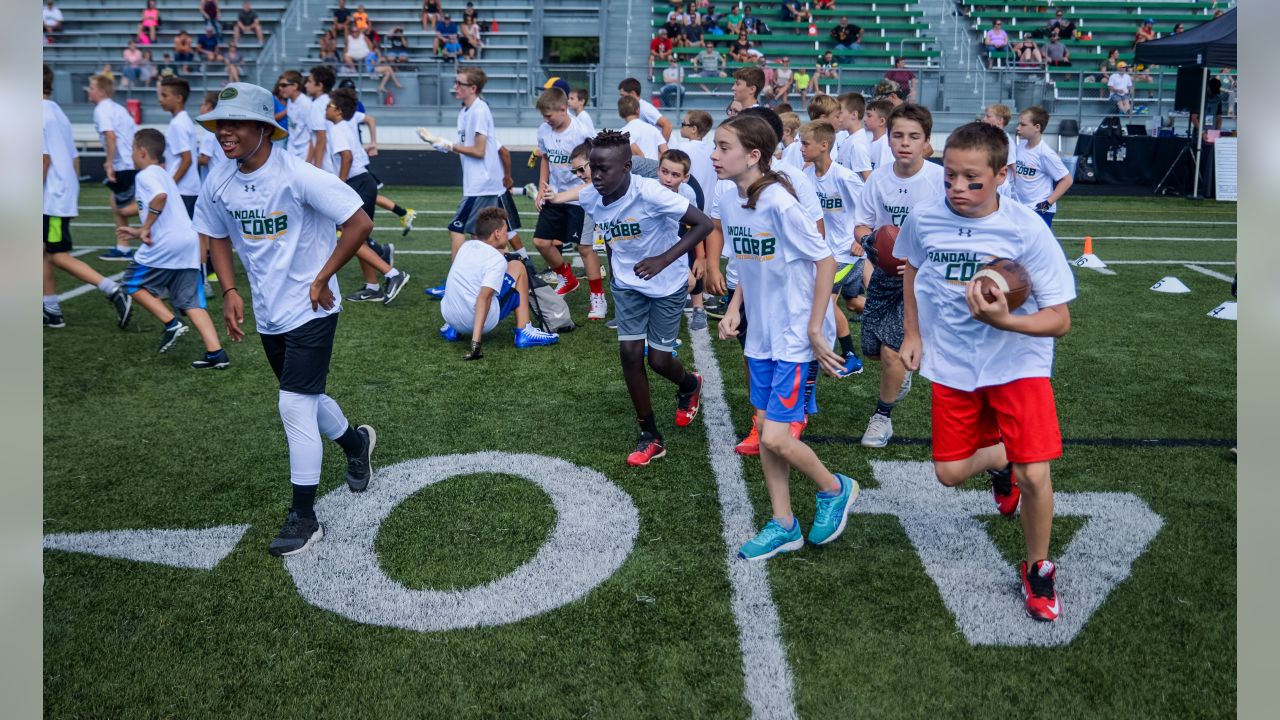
(399, 211)
(688, 384)
(351, 441)
(884, 408)
(846, 345)
(304, 500)
(647, 424)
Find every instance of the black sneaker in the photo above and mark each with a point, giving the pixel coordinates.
(123, 303)
(393, 286)
(54, 320)
(359, 467)
(365, 294)
(218, 361)
(171, 334)
(298, 534)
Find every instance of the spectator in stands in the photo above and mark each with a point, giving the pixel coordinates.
(692, 31)
(358, 48)
(1146, 31)
(247, 21)
(672, 91)
(905, 79)
(733, 21)
(767, 74)
(659, 49)
(1065, 27)
(210, 11)
(741, 50)
(360, 18)
(751, 24)
(234, 61)
(675, 25)
(828, 69)
(452, 49)
(780, 87)
(1026, 53)
(430, 11)
(184, 50)
(1120, 86)
(209, 45)
(1177, 29)
(328, 47)
(341, 19)
(995, 41)
(150, 23)
(793, 12)
(1055, 53)
(52, 17)
(711, 21)
(398, 46)
(167, 68)
(709, 63)
(444, 28)
(470, 12)
(825, 4)
(383, 69)
(470, 39)
(846, 36)
(132, 67)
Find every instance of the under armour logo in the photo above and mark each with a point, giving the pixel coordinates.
(966, 232)
(902, 191)
(250, 188)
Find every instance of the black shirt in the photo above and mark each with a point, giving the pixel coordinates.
(845, 35)
(341, 16)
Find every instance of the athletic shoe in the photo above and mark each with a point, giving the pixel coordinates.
(687, 406)
(879, 430)
(599, 307)
(1004, 488)
(211, 278)
(770, 541)
(435, 293)
(688, 305)
(298, 534)
(392, 287)
(566, 285)
(750, 445)
(365, 294)
(117, 255)
(1038, 587)
(612, 323)
(530, 336)
(852, 365)
(448, 333)
(711, 302)
(54, 320)
(648, 448)
(832, 512)
(530, 190)
(172, 332)
(698, 321)
(123, 303)
(906, 388)
(217, 361)
(388, 254)
(406, 222)
(716, 311)
(360, 465)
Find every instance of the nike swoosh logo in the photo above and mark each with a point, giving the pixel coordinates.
(790, 402)
(1056, 607)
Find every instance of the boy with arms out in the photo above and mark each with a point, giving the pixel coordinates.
(995, 413)
(1042, 178)
(180, 146)
(116, 130)
(279, 213)
(889, 197)
(169, 258)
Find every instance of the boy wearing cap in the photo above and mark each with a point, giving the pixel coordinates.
(279, 213)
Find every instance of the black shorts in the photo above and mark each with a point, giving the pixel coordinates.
(464, 221)
(300, 357)
(57, 234)
(562, 223)
(882, 314)
(367, 188)
(190, 202)
(122, 188)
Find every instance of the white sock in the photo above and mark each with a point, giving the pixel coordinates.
(332, 423)
(51, 304)
(108, 286)
(372, 286)
(122, 247)
(392, 273)
(523, 252)
(306, 452)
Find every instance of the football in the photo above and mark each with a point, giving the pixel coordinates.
(1009, 276)
(884, 239)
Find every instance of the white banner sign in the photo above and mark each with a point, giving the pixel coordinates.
(1224, 170)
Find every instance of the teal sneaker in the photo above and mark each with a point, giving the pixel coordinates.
(770, 541)
(829, 520)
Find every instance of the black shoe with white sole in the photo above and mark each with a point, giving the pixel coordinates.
(54, 320)
(217, 361)
(297, 535)
(393, 286)
(359, 466)
(172, 332)
(123, 303)
(365, 294)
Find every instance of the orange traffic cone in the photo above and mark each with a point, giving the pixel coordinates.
(1088, 245)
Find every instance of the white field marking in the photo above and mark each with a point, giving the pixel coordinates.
(448, 213)
(596, 528)
(77, 292)
(195, 549)
(82, 251)
(1105, 238)
(388, 228)
(983, 591)
(1164, 262)
(1111, 221)
(1207, 271)
(766, 673)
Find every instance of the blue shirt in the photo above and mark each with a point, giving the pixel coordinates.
(449, 28)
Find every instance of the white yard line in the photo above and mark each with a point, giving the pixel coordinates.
(1207, 271)
(77, 292)
(767, 678)
(388, 228)
(1113, 221)
(1169, 262)
(1145, 238)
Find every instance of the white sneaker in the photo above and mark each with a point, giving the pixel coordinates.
(879, 430)
(530, 190)
(599, 307)
(906, 387)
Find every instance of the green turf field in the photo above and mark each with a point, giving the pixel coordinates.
(1145, 384)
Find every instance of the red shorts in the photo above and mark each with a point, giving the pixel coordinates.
(1021, 413)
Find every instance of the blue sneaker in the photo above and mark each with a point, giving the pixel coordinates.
(530, 336)
(117, 255)
(829, 520)
(770, 541)
(852, 365)
(448, 333)
(435, 293)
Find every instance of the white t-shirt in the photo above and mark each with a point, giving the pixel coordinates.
(887, 199)
(700, 167)
(649, 113)
(644, 222)
(1038, 170)
(477, 265)
(480, 176)
(174, 243)
(555, 147)
(805, 191)
(281, 220)
(854, 151)
(110, 115)
(584, 119)
(946, 249)
(51, 15)
(791, 156)
(299, 113)
(776, 247)
(318, 123)
(1120, 83)
(646, 137)
(839, 192)
(61, 185)
(343, 137)
(180, 137)
(877, 150)
(1006, 188)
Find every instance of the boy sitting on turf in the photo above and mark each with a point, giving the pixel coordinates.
(168, 260)
(993, 405)
(485, 286)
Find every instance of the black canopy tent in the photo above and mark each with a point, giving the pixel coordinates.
(1212, 44)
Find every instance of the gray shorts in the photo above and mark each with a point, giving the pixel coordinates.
(850, 283)
(465, 220)
(655, 320)
(185, 288)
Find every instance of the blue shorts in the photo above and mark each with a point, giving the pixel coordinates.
(784, 390)
(184, 288)
(508, 297)
(1047, 217)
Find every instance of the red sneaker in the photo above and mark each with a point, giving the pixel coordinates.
(750, 445)
(1038, 587)
(566, 285)
(1004, 488)
(797, 428)
(687, 406)
(648, 448)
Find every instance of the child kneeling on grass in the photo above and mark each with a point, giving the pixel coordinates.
(169, 259)
(484, 286)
